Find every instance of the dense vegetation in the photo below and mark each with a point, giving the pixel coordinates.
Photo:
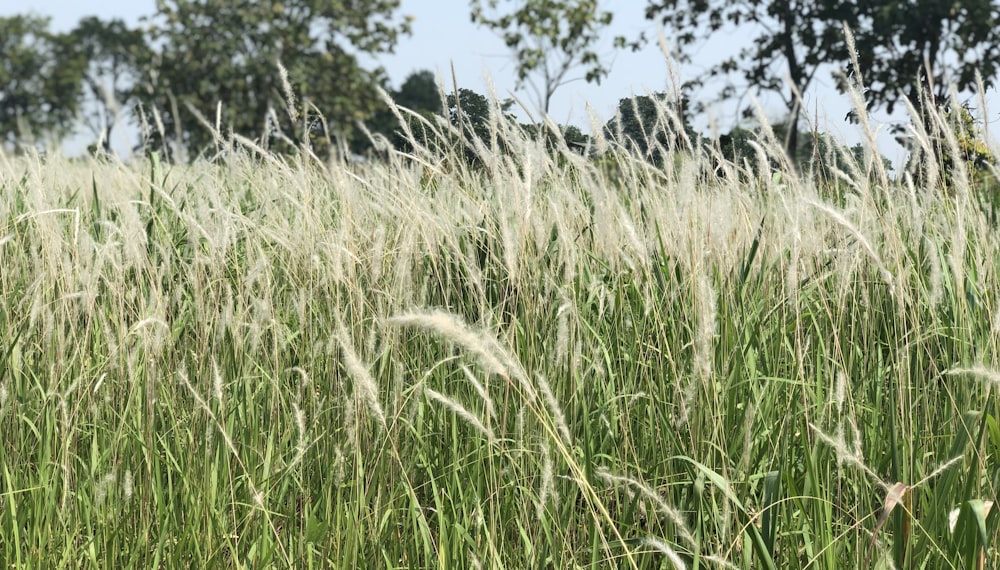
(533, 359)
(197, 72)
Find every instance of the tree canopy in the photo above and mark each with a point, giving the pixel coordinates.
(904, 47)
(550, 38)
(293, 74)
(114, 55)
(220, 59)
(40, 80)
(791, 39)
(650, 124)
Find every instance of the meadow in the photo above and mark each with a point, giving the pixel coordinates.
(540, 361)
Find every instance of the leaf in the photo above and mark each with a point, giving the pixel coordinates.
(757, 541)
(893, 498)
(968, 526)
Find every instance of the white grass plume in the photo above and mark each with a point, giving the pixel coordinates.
(846, 454)
(491, 355)
(546, 490)
(663, 548)
(556, 410)
(364, 384)
(862, 240)
(671, 513)
(988, 375)
(481, 391)
(460, 411)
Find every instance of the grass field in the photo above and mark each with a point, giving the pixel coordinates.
(537, 363)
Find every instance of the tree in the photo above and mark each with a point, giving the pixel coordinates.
(115, 56)
(643, 125)
(472, 115)
(40, 80)
(220, 59)
(819, 154)
(909, 46)
(794, 38)
(418, 93)
(550, 38)
(968, 148)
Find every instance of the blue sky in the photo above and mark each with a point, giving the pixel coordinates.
(443, 36)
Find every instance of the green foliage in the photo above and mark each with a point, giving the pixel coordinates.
(569, 135)
(819, 153)
(799, 37)
(40, 81)
(472, 115)
(273, 364)
(972, 149)
(470, 112)
(219, 59)
(964, 145)
(550, 38)
(479, 119)
(116, 57)
(651, 125)
(906, 47)
(419, 93)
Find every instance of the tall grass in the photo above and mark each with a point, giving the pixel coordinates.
(541, 361)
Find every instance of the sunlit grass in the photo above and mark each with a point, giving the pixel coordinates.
(536, 362)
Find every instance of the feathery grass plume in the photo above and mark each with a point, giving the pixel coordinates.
(703, 341)
(555, 409)
(855, 90)
(988, 375)
(707, 328)
(101, 489)
(460, 411)
(662, 547)
(918, 132)
(217, 383)
(491, 355)
(286, 88)
(995, 324)
(846, 454)
(562, 332)
(481, 391)
(672, 514)
(363, 381)
(301, 441)
(840, 394)
(128, 485)
(862, 240)
(546, 490)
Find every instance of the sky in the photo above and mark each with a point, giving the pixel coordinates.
(443, 37)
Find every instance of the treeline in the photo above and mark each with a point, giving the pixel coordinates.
(288, 75)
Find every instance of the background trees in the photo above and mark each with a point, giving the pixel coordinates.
(642, 125)
(114, 57)
(200, 68)
(903, 46)
(550, 38)
(219, 59)
(790, 39)
(909, 45)
(40, 81)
